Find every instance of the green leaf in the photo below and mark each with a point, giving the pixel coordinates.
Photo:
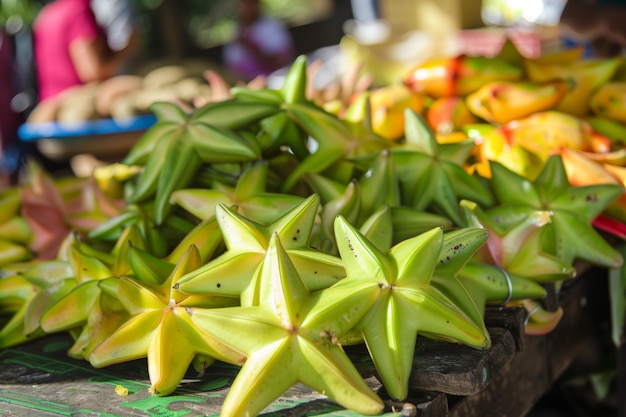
(617, 294)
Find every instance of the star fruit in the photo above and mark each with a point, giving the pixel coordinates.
(407, 304)
(157, 313)
(431, 175)
(570, 234)
(518, 248)
(336, 140)
(173, 150)
(249, 195)
(237, 271)
(473, 284)
(85, 310)
(292, 336)
(26, 290)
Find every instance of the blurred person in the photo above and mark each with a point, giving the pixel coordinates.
(9, 119)
(119, 20)
(600, 22)
(117, 17)
(18, 92)
(262, 45)
(71, 48)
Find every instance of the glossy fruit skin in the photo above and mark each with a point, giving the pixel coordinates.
(387, 109)
(459, 75)
(583, 77)
(449, 114)
(500, 102)
(609, 101)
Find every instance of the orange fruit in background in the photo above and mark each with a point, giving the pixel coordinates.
(448, 114)
(504, 101)
(459, 75)
(388, 104)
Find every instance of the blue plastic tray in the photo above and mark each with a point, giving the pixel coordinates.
(55, 130)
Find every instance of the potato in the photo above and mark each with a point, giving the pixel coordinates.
(114, 87)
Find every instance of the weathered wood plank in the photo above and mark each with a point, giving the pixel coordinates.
(509, 318)
(515, 390)
(457, 369)
(533, 371)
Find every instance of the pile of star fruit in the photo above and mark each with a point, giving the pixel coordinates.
(269, 229)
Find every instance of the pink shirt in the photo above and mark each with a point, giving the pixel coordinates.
(56, 27)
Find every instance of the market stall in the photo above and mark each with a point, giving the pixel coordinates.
(450, 243)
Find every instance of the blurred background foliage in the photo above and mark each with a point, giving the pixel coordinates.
(18, 12)
(212, 22)
(205, 23)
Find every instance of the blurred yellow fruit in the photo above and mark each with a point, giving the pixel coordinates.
(448, 114)
(452, 137)
(544, 132)
(459, 75)
(388, 104)
(111, 178)
(504, 101)
(609, 101)
(583, 78)
(493, 145)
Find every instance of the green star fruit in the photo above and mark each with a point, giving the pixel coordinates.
(518, 248)
(473, 284)
(378, 228)
(156, 313)
(293, 89)
(159, 239)
(85, 310)
(492, 285)
(237, 271)
(26, 292)
(360, 200)
(379, 186)
(407, 302)
(16, 292)
(570, 234)
(182, 143)
(292, 337)
(250, 196)
(206, 236)
(236, 114)
(432, 175)
(278, 130)
(348, 205)
(457, 248)
(335, 141)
